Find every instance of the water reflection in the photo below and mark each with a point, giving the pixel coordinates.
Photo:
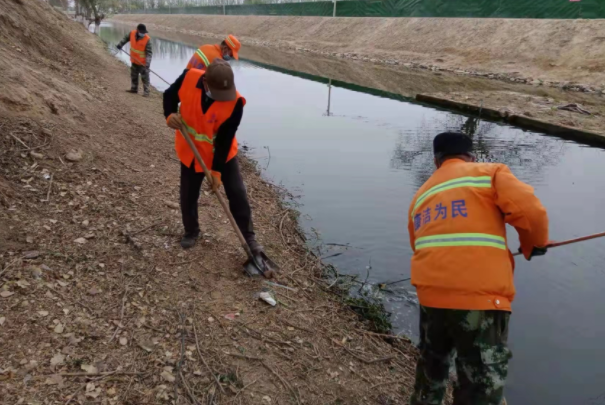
(527, 155)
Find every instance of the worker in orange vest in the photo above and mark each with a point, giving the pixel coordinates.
(140, 58)
(206, 54)
(212, 109)
(463, 271)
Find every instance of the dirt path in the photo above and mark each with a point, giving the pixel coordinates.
(93, 281)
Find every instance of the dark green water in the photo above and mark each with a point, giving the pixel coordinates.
(356, 170)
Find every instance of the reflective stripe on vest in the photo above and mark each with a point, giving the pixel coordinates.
(199, 137)
(203, 57)
(139, 53)
(479, 182)
(461, 239)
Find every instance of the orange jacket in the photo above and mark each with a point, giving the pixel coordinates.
(137, 48)
(204, 56)
(202, 127)
(457, 231)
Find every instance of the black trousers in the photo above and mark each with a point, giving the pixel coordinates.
(191, 183)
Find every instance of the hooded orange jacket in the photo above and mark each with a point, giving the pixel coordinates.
(457, 231)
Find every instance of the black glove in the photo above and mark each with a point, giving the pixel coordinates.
(536, 251)
(119, 47)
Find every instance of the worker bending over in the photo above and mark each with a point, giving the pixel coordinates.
(206, 54)
(463, 270)
(140, 58)
(211, 109)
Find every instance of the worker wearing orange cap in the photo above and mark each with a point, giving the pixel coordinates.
(205, 54)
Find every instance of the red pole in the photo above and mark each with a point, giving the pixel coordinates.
(570, 241)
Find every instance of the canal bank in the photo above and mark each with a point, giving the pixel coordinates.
(98, 302)
(541, 103)
(391, 138)
(361, 216)
(547, 52)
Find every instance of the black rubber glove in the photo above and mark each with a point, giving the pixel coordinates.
(536, 251)
(119, 47)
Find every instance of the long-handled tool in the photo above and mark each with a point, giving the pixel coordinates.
(552, 245)
(259, 264)
(149, 69)
(570, 241)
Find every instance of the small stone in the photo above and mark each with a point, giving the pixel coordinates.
(74, 155)
(36, 272)
(32, 254)
(172, 204)
(59, 328)
(57, 360)
(29, 239)
(89, 368)
(167, 376)
(85, 223)
(81, 241)
(36, 155)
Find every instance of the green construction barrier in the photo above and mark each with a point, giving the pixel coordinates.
(554, 9)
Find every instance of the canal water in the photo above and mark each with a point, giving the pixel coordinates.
(356, 160)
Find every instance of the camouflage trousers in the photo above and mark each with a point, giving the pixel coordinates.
(479, 340)
(135, 71)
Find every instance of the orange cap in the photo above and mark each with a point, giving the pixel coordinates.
(233, 44)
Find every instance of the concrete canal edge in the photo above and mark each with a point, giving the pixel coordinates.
(520, 121)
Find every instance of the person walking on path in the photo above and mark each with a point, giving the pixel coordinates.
(206, 54)
(211, 109)
(463, 270)
(140, 58)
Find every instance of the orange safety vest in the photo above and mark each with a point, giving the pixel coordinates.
(457, 231)
(137, 48)
(204, 56)
(202, 127)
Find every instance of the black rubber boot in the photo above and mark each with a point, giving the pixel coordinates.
(145, 94)
(132, 91)
(254, 246)
(189, 241)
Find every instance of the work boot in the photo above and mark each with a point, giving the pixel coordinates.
(133, 91)
(254, 246)
(189, 240)
(146, 94)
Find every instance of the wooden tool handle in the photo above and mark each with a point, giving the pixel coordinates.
(220, 197)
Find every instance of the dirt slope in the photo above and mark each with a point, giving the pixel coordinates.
(92, 279)
(549, 50)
